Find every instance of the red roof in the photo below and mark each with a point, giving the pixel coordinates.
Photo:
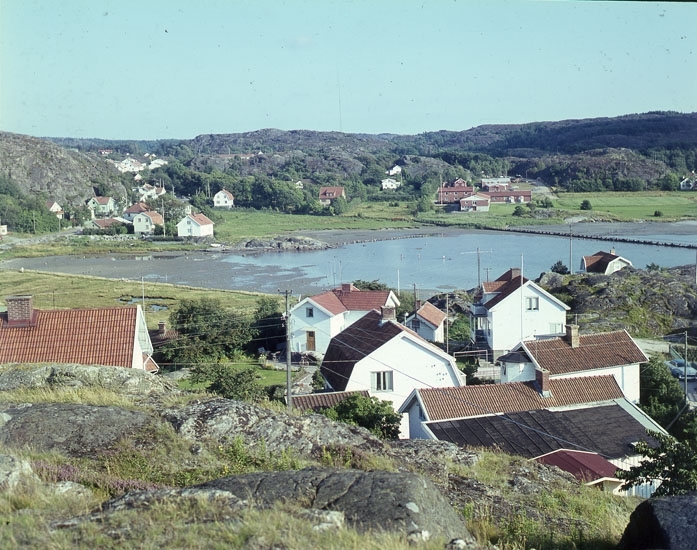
(584, 466)
(331, 192)
(201, 219)
(350, 298)
(595, 351)
(104, 336)
(468, 401)
(136, 208)
(429, 312)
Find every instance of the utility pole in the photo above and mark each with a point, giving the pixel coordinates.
(447, 323)
(571, 250)
(685, 367)
(289, 397)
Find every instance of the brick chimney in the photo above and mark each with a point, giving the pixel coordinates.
(20, 311)
(345, 287)
(387, 314)
(417, 305)
(542, 382)
(572, 336)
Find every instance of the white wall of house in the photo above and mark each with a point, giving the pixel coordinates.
(525, 314)
(141, 342)
(223, 200)
(307, 317)
(415, 420)
(426, 330)
(143, 224)
(405, 363)
(190, 228)
(517, 372)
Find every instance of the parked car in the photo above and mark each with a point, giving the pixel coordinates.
(677, 369)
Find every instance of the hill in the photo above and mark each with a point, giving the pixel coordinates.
(39, 166)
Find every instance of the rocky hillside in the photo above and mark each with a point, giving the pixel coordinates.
(64, 175)
(109, 457)
(646, 302)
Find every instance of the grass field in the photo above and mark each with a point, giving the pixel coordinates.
(56, 291)
(633, 206)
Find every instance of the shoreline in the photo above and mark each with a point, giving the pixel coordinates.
(630, 232)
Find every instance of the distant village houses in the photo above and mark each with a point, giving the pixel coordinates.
(195, 225)
(606, 263)
(223, 199)
(328, 194)
(454, 191)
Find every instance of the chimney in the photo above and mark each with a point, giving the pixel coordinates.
(345, 287)
(161, 328)
(20, 311)
(612, 251)
(387, 314)
(572, 336)
(515, 272)
(417, 305)
(542, 382)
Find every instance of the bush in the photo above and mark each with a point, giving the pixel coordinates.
(657, 214)
(586, 205)
(369, 412)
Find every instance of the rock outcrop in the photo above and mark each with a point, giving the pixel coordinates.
(368, 501)
(662, 523)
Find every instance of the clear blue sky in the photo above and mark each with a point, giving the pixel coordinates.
(148, 69)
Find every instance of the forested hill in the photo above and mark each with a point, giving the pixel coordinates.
(628, 153)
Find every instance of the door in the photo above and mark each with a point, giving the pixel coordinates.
(310, 340)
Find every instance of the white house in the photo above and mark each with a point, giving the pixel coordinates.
(147, 191)
(512, 309)
(479, 202)
(428, 322)
(604, 262)
(378, 354)
(101, 206)
(195, 225)
(614, 353)
(145, 222)
(389, 183)
(135, 209)
(316, 319)
(534, 418)
(223, 199)
(394, 171)
(55, 208)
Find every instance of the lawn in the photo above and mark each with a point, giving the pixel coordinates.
(58, 291)
(633, 206)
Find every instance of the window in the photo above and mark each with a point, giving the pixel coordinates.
(415, 324)
(532, 303)
(309, 312)
(381, 381)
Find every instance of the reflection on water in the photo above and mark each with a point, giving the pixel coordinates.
(438, 263)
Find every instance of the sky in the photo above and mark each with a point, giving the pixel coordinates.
(156, 69)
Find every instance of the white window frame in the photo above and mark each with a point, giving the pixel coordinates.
(532, 303)
(381, 381)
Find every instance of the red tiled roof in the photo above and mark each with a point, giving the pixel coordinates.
(226, 193)
(598, 262)
(201, 219)
(583, 465)
(329, 301)
(506, 290)
(155, 217)
(493, 286)
(319, 401)
(136, 208)
(350, 298)
(105, 223)
(330, 192)
(429, 312)
(467, 401)
(102, 200)
(595, 351)
(104, 336)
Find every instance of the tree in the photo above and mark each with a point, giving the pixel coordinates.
(228, 382)
(269, 323)
(586, 205)
(661, 396)
(369, 412)
(519, 211)
(673, 462)
(207, 333)
(560, 268)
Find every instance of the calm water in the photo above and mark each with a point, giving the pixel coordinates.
(436, 263)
